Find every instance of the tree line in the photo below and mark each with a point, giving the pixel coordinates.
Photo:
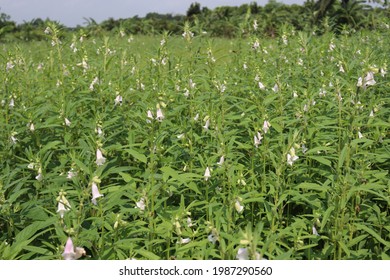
(226, 21)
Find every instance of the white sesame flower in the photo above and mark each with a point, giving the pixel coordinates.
(9, 66)
(140, 204)
(369, 79)
(332, 46)
(180, 136)
(196, 117)
(12, 103)
(150, 116)
(291, 157)
(359, 82)
(31, 127)
(360, 135)
(63, 205)
(184, 240)
(189, 222)
(159, 115)
(212, 238)
(275, 88)
(322, 92)
(314, 230)
(164, 61)
(255, 25)
(284, 38)
(242, 254)
(69, 253)
(207, 124)
(13, 139)
(339, 97)
(99, 131)
(261, 86)
(39, 177)
(257, 139)
(93, 83)
(304, 148)
(118, 100)
(207, 173)
(221, 160)
(238, 206)
(71, 174)
(188, 35)
(266, 126)
(95, 193)
(72, 253)
(191, 84)
(67, 122)
(100, 160)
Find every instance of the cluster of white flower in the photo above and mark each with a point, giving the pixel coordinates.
(159, 115)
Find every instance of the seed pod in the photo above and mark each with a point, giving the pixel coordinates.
(358, 199)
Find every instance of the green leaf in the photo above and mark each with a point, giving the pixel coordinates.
(343, 155)
(321, 160)
(50, 146)
(372, 233)
(326, 216)
(169, 172)
(357, 240)
(82, 166)
(30, 230)
(312, 186)
(126, 177)
(345, 248)
(192, 186)
(28, 235)
(385, 256)
(38, 250)
(148, 255)
(137, 155)
(15, 195)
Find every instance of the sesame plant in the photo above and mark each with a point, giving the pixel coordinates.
(193, 147)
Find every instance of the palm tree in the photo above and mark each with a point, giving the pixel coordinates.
(323, 6)
(352, 13)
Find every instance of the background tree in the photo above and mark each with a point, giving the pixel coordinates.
(351, 13)
(193, 10)
(6, 25)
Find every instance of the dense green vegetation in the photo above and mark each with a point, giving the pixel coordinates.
(312, 16)
(191, 146)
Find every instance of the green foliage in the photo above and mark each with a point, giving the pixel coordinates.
(188, 168)
(225, 21)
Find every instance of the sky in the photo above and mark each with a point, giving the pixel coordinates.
(73, 12)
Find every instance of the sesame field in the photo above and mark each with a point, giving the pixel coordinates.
(193, 147)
